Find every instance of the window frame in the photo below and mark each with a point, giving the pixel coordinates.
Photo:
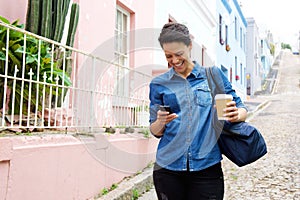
(121, 51)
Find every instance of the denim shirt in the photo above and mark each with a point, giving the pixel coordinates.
(189, 141)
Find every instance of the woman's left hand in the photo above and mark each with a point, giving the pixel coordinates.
(235, 114)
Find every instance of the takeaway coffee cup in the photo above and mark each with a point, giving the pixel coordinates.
(221, 101)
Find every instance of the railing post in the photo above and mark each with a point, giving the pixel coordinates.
(56, 100)
(23, 79)
(92, 110)
(44, 97)
(37, 84)
(29, 97)
(5, 79)
(14, 95)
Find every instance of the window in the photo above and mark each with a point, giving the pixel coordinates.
(220, 30)
(226, 36)
(241, 37)
(230, 75)
(244, 42)
(121, 50)
(235, 28)
(236, 69)
(241, 73)
(203, 55)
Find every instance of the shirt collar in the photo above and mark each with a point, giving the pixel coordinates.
(196, 72)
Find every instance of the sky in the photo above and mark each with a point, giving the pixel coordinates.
(281, 17)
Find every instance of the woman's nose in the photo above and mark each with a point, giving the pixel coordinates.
(175, 60)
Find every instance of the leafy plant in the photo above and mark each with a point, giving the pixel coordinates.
(146, 132)
(142, 108)
(28, 60)
(286, 46)
(104, 191)
(135, 194)
(48, 18)
(113, 186)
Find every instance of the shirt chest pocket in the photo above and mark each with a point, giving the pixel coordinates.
(202, 95)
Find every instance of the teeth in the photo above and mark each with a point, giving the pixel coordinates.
(179, 64)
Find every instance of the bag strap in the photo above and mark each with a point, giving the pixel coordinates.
(213, 83)
(214, 80)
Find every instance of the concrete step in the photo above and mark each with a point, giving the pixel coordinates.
(132, 188)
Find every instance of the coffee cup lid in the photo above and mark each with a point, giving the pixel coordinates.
(223, 96)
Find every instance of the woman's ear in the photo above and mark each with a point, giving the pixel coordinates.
(190, 46)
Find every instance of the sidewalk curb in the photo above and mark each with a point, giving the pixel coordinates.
(258, 108)
(140, 184)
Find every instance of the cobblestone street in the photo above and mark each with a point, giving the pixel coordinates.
(276, 175)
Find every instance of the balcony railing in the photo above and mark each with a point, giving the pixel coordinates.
(47, 85)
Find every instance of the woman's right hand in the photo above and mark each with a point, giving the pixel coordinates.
(163, 117)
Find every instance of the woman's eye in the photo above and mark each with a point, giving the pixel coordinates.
(179, 54)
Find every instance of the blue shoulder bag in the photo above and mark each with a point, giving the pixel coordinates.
(240, 142)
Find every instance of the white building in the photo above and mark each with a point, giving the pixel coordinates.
(254, 65)
(199, 17)
(266, 57)
(231, 44)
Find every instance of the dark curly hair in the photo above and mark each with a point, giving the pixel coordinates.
(174, 32)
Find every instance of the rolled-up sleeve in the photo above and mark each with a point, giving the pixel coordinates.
(155, 101)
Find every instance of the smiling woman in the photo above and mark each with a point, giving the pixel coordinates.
(188, 157)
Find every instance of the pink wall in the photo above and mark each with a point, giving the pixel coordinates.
(13, 10)
(60, 166)
(97, 19)
(97, 25)
(64, 167)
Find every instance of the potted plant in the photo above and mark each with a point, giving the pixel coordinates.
(227, 47)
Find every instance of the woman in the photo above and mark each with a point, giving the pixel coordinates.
(188, 160)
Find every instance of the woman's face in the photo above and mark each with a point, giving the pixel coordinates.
(178, 57)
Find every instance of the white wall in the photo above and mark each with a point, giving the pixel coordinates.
(198, 16)
(236, 56)
(253, 56)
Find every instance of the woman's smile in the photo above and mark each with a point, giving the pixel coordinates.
(179, 64)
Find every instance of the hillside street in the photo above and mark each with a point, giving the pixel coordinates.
(276, 175)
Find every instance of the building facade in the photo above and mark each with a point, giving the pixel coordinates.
(254, 65)
(231, 44)
(198, 16)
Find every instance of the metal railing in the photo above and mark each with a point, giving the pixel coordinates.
(45, 84)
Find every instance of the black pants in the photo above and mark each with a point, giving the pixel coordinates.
(188, 185)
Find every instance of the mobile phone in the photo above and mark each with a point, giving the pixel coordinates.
(165, 108)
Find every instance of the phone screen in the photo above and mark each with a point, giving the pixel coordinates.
(165, 108)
